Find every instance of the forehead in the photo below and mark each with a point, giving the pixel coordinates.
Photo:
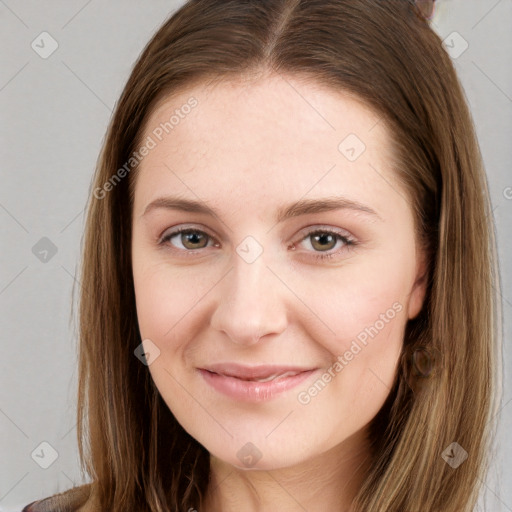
(277, 132)
(305, 107)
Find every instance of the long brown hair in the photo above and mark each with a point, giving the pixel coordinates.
(385, 54)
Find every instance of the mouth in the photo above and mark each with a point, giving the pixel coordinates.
(260, 373)
(275, 376)
(253, 384)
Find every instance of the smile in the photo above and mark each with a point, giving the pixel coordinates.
(255, 389)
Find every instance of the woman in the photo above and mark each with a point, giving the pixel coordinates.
(287, 286)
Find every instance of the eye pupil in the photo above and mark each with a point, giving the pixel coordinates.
(192, 237)
(325, 239)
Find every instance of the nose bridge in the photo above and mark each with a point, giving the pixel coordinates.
(250, 304)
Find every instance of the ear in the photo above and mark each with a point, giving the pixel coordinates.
(426, 7)
(419, 288)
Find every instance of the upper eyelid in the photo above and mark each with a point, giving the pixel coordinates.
(321, 228)
(175, 230)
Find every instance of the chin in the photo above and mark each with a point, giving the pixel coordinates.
(256, 452)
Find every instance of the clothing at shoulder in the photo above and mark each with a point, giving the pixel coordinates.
(69, 501)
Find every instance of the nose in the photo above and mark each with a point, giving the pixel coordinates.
(251, 303)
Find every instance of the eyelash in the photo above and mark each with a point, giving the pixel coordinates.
(348, 242)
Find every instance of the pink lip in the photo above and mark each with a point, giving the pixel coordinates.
(243, 389)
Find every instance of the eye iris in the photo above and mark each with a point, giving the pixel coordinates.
(323, 238)
(194, 238)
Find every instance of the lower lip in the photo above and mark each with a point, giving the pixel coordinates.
(253, 391)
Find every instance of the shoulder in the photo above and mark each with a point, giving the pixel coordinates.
(69, 501)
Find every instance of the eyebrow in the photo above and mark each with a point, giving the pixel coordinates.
(301, 207)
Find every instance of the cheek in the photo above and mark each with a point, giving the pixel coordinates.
(354, 387)
(166, 296)
(364, 307)
(361, 301)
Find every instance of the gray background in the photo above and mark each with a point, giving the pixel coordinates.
(55, 111)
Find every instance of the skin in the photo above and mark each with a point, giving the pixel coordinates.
(248, 149)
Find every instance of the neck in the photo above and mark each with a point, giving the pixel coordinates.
(328, 481)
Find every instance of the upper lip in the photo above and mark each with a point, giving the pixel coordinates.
(253, 372)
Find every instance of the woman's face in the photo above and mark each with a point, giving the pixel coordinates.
(300, 257)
